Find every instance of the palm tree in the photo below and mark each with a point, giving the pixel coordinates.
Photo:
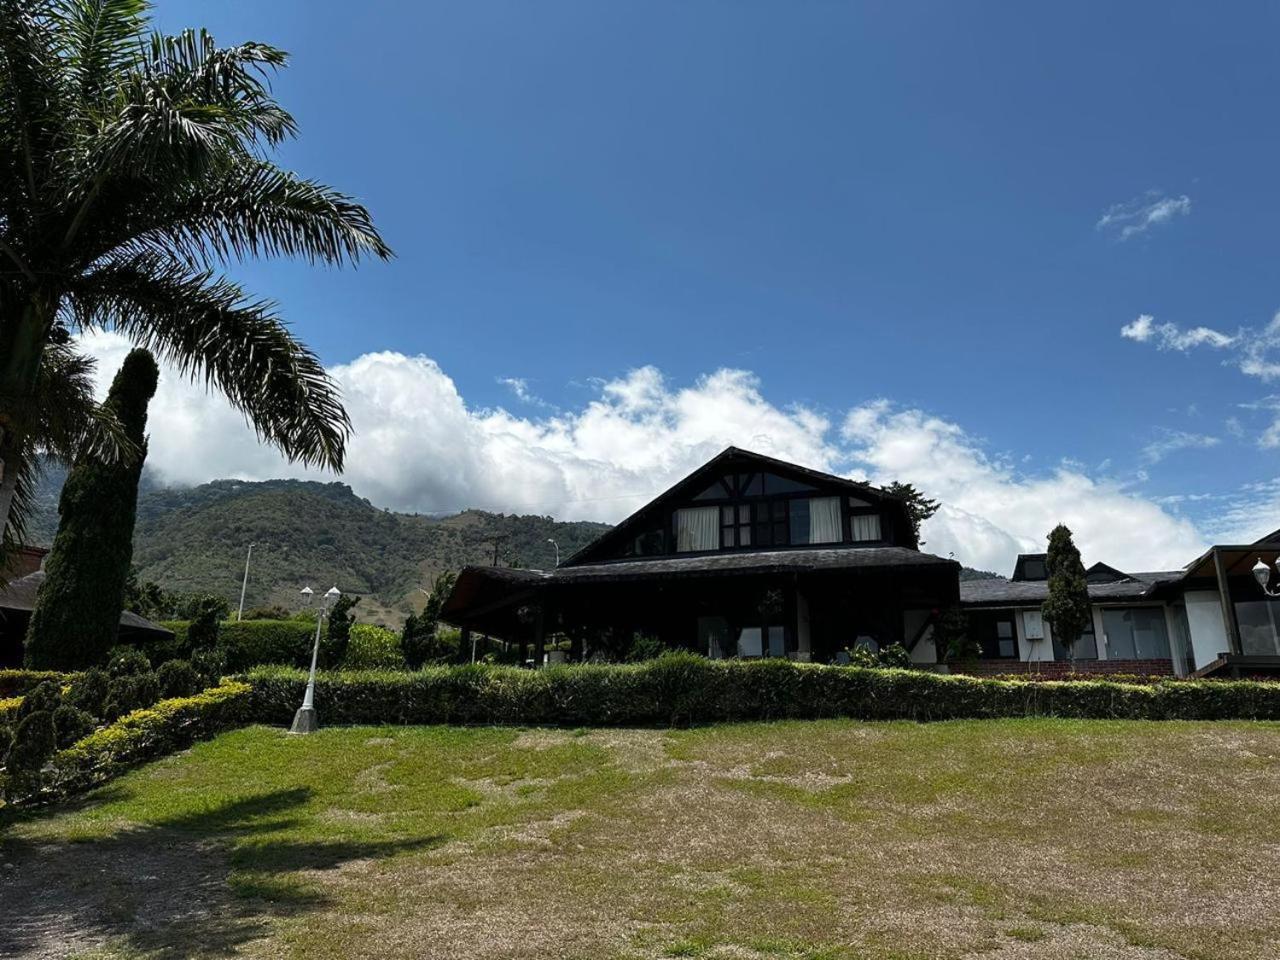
(132, 167)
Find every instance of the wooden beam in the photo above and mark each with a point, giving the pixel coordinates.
(1228, 608)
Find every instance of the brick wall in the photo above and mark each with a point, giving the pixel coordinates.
(1054, 668)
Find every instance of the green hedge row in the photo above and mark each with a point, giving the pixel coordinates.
(681, 688)
(14, 683)
(142, 735)
(248, 643)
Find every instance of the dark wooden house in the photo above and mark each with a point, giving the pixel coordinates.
(748, 556)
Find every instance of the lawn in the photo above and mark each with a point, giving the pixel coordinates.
(836, 839)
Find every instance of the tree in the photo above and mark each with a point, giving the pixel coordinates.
(1067, 608)
(338, 630)
(420, 640)
(951, 637)
(131, 168)
(77, 614)
(919, 507)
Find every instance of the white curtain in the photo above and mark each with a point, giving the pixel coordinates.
(866, 527)
(824, 520)
(697, 528)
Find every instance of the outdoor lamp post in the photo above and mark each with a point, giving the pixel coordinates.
(1262, 573)
(557, 546)
(304, 721)
(244, 584)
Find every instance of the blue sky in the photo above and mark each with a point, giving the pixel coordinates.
(850, 201)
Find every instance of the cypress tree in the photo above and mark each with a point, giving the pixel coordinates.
(1067, 607)
(78, 608)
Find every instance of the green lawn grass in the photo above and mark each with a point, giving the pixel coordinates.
(836, 839)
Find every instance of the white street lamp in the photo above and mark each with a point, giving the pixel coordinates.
(557, 546)
(304, 721)
(1262, 573)
(244, 584)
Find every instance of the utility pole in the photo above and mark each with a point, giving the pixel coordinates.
(244, 585)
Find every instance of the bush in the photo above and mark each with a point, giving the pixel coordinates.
(895, 655)
(209, 666)
(128, 693)
(337, 636)
(71, 724)
(142, 735)
(89, 691)
(680, 688)
(177, 678)
(43, 699)
(33, 744)
(373, 648)
(205, 612)
(127, 662)
(14, 683)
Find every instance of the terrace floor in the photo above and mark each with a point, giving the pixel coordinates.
(1038, 839)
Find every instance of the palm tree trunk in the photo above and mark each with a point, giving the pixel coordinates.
(25, 322)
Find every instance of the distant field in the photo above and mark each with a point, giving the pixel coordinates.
(996, 839)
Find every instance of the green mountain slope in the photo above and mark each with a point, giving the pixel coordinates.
(194, 540)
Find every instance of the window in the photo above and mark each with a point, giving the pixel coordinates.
(1135, 633)
(697, 529)
(766, 640)
(1258, 633)
(864, 527)
(815, 520)
(1085, 648)
(1034, 570)
(995, 633)
(735, 525)
(771, 524)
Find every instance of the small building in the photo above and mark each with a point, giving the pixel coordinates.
(750, 556)
(18, 600)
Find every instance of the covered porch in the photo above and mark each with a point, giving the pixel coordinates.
(1234, 619)
(803, 605)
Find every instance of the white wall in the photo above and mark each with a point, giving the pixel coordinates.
(1208, 632)
(925, 651)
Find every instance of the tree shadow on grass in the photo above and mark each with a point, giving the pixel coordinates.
(196, 885)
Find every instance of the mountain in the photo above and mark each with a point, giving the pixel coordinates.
(194, 539)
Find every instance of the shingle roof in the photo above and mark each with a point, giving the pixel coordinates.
(990, 593)
(746, 561)
(20, 594)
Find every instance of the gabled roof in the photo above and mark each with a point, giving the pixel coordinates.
(1031, 593)
(20, 595)
(699, 478)
(1105, 573)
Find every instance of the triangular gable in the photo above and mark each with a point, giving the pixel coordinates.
(1105, 573)
(739, 465)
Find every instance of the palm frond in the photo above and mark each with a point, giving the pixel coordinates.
(255, 209)
(207, 328)
(98, 40)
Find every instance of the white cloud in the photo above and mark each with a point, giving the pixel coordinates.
(1137, 216)
(1171, 441)
(419, 446)
(993, 512)
(1169, 336)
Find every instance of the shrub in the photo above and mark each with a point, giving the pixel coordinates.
(130, 692)
(6, 741)
(250, 643)
(43, 699)
(206, 613)
(863, 657)
(127, 662)
(209, 666)
(333, 647)
(14, 683)
(645, 648)
(177, 678)
(895, 655)
(71, 724)
(373, 648)
(143, 734)
(89, 691)
(681, 688)
(33, 744)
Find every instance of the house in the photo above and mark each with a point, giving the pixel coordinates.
(750, 556)
(18, 600)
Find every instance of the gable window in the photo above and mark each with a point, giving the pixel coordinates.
(697, 528)
(815, 520)
(771, 524)
(864, 527)
(735, 525)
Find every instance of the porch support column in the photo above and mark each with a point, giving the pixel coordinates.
(539, 636)
(1228, 608)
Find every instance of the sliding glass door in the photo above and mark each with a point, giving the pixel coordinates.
(1135, 633)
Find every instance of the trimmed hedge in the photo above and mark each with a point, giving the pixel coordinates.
(248, 643)
(142, 735)
(14, 683)
(682, 688)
